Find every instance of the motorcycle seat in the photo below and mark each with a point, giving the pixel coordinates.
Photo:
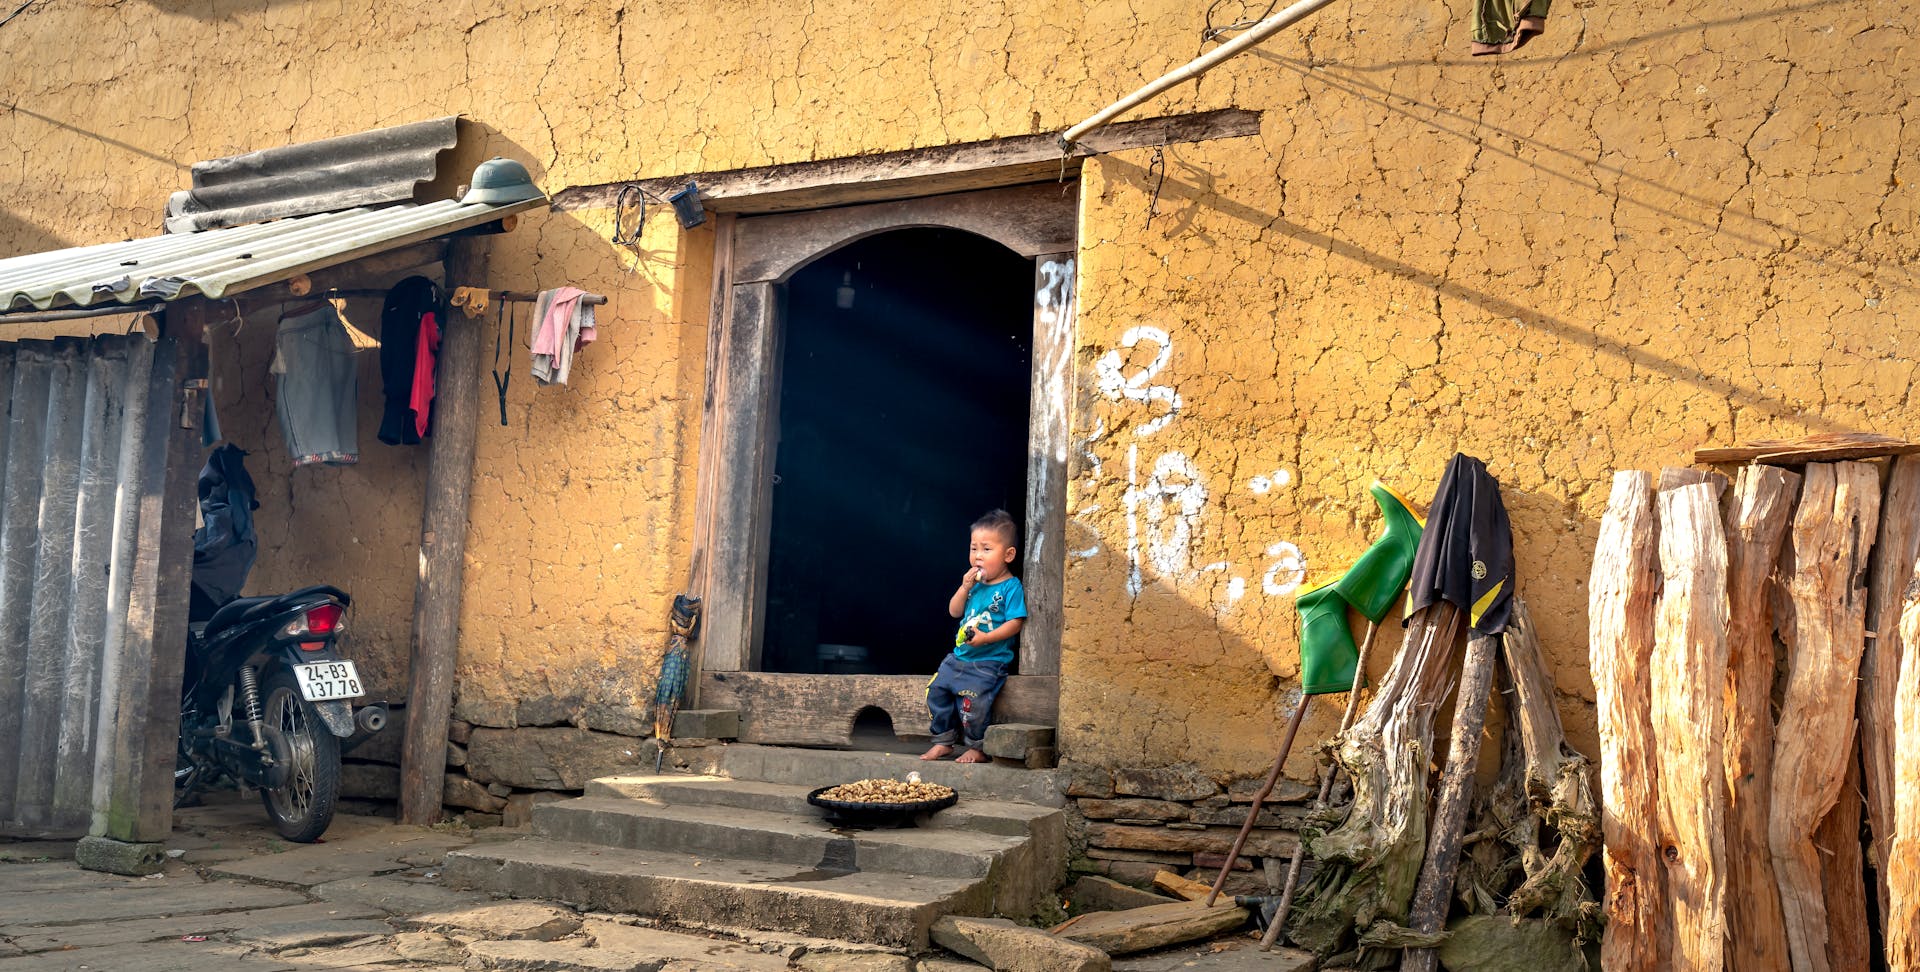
(245, 610)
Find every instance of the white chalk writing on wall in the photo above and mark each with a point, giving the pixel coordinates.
(1164, 503)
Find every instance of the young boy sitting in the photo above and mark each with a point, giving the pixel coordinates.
(992, 607)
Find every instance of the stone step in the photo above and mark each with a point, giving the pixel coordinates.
(804, 840)
(886, 908)
(986, 816)
(813, 768)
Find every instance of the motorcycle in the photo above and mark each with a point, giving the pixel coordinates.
(266, 697)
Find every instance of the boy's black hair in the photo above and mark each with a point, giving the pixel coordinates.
(1001, 522)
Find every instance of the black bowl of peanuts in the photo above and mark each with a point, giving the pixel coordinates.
(873, 803)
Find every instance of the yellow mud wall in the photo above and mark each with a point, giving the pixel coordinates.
(1655, 227)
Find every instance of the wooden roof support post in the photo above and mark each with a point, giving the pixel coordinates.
(1903, 860)
(1893, 555)
(443, 544)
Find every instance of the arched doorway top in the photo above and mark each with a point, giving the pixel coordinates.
(772, 248)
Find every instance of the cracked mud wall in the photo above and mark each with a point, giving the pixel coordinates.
(1652, 228)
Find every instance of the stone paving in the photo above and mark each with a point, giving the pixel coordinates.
(236, 898)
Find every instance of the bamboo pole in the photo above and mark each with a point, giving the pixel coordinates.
(1689, 718)
(1756, 524)
(1327, 778)
(1194, 68)
(1434, 893)
(1833, 529)
(1620, 648)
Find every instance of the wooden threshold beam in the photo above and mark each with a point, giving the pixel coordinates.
(919, 172)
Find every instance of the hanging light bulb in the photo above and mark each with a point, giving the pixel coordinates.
(843, 294)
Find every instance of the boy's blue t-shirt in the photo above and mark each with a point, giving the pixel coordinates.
(997, 603)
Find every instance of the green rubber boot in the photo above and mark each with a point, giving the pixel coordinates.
(1327, 651)
(1375, 581)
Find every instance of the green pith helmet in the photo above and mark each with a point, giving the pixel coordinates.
(498, 181)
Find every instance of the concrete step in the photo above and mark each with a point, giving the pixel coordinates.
(887, 908)
(812, 768)
(801, 839)
(985, 816)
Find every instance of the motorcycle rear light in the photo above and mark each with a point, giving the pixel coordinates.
(324, 619)
(312, 645)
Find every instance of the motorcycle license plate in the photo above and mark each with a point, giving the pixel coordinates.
(328, 680)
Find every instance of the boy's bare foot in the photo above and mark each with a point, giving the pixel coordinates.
(972, 756)
(938, 752)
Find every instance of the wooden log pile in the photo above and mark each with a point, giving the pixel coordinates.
(1759, 714)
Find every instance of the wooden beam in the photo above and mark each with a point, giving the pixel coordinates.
(1903, 857)
(919, 172)
(1434, 893)
(1048, 435)
(443, 543)
(1620, 625)
(706, 483)
(1756, 524)
(1689, 720)
(1819, 447)
(1833, 529)
(1890, 568)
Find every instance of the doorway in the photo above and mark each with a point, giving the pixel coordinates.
(905, 367)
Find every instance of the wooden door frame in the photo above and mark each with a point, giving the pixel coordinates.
(754, 257)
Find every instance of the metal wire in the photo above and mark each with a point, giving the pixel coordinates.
(1212, 32)
(1156, 171)
(632, 199)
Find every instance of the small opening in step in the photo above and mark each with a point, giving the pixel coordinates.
(873, 729)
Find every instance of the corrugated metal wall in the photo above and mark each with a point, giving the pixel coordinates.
(85, 418)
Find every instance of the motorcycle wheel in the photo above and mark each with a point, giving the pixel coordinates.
(303, 807)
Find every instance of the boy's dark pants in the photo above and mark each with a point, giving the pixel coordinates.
(961, 699)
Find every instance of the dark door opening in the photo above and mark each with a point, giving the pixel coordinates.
(904, 387)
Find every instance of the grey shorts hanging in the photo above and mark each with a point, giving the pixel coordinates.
(319, 388)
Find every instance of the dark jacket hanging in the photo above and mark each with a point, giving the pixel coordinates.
(407, 302)
(1466, 552)
(224, 546)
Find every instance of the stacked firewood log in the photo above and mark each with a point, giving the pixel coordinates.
(1759, 712)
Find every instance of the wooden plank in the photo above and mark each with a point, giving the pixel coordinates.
(920, 172)
(435, 643)
(1154, 926)
(1889, 569)
(19, 549)
(1818, 447)
(1048, 439)
(1843, 875)
(1181, 887)
(1434, 893)
(1833, 529)
(1756, 524)
(819, 710)
(1029, 220)
(1902, 927)
(1689, 719)
(1620, 611)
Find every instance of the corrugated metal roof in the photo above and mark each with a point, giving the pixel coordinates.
(365, 169)
(218, 262)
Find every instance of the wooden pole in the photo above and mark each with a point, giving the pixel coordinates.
(443, 544)
(1253, 812)
(1327, 778)
(1434, 892)
(1903, 853)
(1689, 721)
(1843, 875)
(1195, 68)
(1756, 524)
(1894, 552)
(1833, 529)
(1620, 626)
